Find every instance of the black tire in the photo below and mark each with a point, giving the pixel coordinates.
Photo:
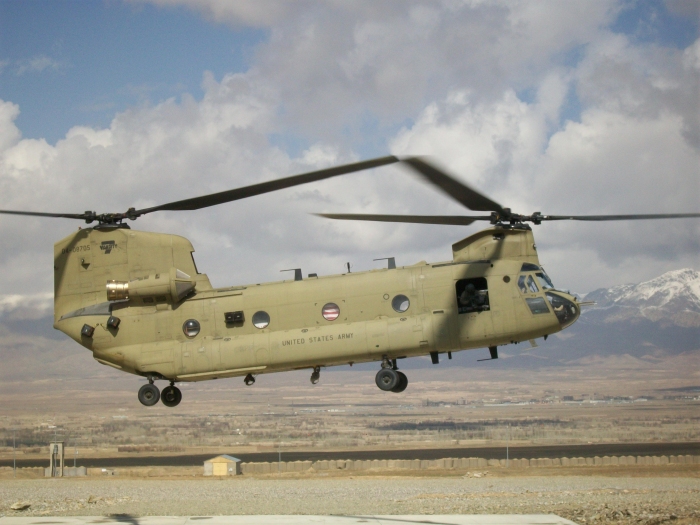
(171, 396)
(387, 379)
(403, 383)
(149, 395)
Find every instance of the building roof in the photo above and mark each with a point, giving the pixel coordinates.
(225, 457)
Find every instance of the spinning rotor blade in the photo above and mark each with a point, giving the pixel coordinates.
(222, 197)
(617, 217)
(39, 214)
(459, 191)
(456, 220)
(213, 199)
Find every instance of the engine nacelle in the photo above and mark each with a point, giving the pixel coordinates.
(176, 285)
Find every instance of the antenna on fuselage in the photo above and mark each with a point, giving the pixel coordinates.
(297, 273)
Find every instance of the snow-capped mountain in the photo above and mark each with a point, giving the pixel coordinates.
(672, 298)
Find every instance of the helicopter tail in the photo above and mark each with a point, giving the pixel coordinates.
(87, 260)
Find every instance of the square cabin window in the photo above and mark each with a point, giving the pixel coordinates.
(472, 295)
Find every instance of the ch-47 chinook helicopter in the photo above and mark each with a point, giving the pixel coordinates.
(136, 300)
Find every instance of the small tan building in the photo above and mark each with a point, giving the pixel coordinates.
(222, 466)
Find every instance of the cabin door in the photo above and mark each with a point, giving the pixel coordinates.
(503, 298)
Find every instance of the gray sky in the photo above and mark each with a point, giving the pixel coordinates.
(558, 107)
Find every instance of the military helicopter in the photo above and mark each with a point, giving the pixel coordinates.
(136, 300)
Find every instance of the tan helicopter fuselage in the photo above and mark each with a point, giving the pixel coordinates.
(155, 289)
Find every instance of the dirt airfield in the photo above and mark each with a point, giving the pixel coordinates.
(100, 417)
(601, 495)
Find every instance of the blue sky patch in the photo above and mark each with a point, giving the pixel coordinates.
(672, 23)
(80, 63)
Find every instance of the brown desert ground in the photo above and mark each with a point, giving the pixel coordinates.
(610, 401)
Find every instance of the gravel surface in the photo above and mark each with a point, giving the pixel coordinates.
(589, 499)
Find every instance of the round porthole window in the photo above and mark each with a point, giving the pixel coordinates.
(330, 312)
(261, 319)
(191, 327)
(400, 303)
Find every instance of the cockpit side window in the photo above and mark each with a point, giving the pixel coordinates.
(527, 284)
(472, 295)
(544, 280)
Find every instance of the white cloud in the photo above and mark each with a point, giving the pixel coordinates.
(336, 64)
(38, 64)
(256, 13)
(447, 76)
(691, 57)
(9, 133)
(629, 154)
(610, 163)
(22, 307)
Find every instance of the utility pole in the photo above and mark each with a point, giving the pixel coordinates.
(507, 443)
(279, 454)
(14, 453)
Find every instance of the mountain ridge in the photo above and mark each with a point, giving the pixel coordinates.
(673, 297)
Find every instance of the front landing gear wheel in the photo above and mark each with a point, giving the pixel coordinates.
(387, 379)
(403, 383)
(149, 394)
(171, 396)
(249, 379)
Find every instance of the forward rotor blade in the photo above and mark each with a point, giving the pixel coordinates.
(618, 217)
(459, 191)
(265, 187)
(81, 216)
(456, 220)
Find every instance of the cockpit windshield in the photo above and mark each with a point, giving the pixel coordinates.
(542, 277)
(544, 280)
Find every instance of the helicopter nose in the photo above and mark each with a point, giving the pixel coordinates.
(565, 307)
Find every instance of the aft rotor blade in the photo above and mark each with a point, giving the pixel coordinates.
(81, 216)
(457, 220)
(618, 217)
(213, 199)
(459, 191)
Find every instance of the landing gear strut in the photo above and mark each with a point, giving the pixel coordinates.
(171, 395)
(315, 375)
(249, 379)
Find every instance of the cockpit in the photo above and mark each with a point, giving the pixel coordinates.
(532, 281)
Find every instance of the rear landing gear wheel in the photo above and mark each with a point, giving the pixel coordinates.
(249, 379)
(171, 396)
(387, 379)
(403, 383)
(149, 394)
